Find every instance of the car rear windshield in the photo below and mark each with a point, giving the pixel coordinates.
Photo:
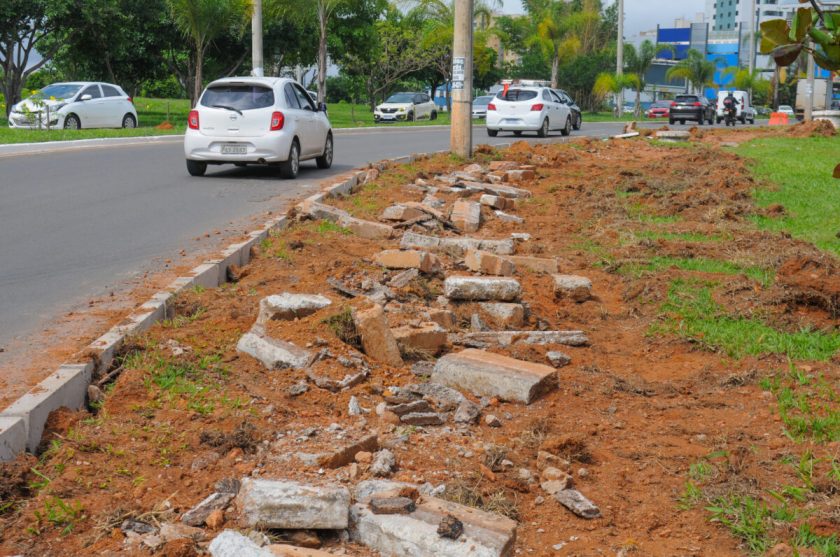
(517, 95)
(661, 104)
(240, 97)
(482, 101)
(687, 99)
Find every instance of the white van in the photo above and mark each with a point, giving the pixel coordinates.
(745, 109)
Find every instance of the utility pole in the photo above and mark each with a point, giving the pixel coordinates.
(619, 60)
(809, 97)
(257, 40)
(753, 17)
(460, 139)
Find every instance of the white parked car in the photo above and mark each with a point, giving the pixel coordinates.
(745, 110)
(75, 105)
(406, 107)
(257, 120)
(532, 109)
(787, 109)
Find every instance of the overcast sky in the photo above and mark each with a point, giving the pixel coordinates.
(642, 15)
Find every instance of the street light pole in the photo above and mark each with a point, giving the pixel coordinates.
(753, 17)
(460, 139)
(809, 97)
(257, 40)
(619, 59)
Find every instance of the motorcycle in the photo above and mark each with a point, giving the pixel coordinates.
(730, 114)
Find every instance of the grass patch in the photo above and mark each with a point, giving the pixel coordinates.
(344, 328)
(347, 115)
(802, 171)
(714, 266)
(327, 228)
(691, 313)
(641, 213)
(694, 237)
(810, 409)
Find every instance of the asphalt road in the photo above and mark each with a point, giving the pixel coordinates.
(76, 222)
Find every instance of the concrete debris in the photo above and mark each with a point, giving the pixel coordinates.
(423, 419)
(422, 368)
(428, 338)
(403, 279)
(492, 421)
(494, 189)
(456, 247)
(354, 408)
(409, 407)
(467, 412)
(509, 338)
(466, 216)
(535, 264)
(496, 201)
(488, 263)
(444, 398)
(552, 487)
(519, 176)
(444, 318)
(502, 166)
(198, 514)
(477, 324)
(486, 374)
(673, 136)
(401, 213)
(577, 503)
(629, 135)
(505, 316)
(575, 287)
(450, 527)
(361, 228)
(392, 505)
(233, 544)
(383, 464)
(558, 359)
(482, 289)
(287, 306)
(378, 341)
(297, 389)
(409, 259)
(292, 505)
(505, 217)
(344, 455)
(228, 485)
(336, 386)
(273, 353)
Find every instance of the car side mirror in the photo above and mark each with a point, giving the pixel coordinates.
(86, 97)
(322, 107)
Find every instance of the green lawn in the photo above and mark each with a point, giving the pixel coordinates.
(801, 170)
(597, 117)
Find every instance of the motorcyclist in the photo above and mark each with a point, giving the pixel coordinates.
(730, 108)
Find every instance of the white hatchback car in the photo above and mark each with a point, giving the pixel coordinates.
(257, 120)
(405, 107)
(535, 109)
(75, 105)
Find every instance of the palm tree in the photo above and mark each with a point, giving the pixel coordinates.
(699, 72)
(555, 32)
(202, 21)
(638, 62)
(611, 84)
(744, 80)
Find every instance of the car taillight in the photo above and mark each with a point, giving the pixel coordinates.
(491, 106)
(537, 107)
(277, 121)
(674, 103)
(698, 104)
(130, 100)
(192, 120)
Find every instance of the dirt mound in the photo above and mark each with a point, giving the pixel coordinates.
(817, 128)
(812, 281)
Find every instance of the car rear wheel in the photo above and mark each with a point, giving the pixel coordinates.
(196, 168)
(410, 117)
(543, 131)
(682, 122)
(517, 133)
(72, 122)
(671, 121)
(492, 133)
(325, 160)
(289, 169)
(700, 121)
(567, 129)
(128, 121)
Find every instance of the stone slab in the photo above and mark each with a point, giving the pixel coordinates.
(377, 339)
(482, 289)
(292, 505)
(273, 353)
(12, 437)
(509, 338)
(233, 544)
(456, 247)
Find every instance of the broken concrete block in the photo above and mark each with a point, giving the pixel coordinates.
(505, 316)
(482, 289)
(346, 454)
(234, 544)
(429, 338)
(488, 264)
(509, 338)
(558, 359)
(377, 340)
(536, 264)
(443, 397)
(383, 464)
(409, 407)
(198, 514)
(468, 412)
(497, 166)
(423, 418)
(574, 500)
(493, 189)
(273, 353)
(575, 287)
(416, 534)
(456, 247)
(284, 550)
(519, 176)
(392, 505)
(496, 201)
(403, 279)
(486, 374)
(505, 217)
(443, 317)
(466, 215)
(287, 306)
(292, 505)
(401, 213)
(367, 229)
(408, 259)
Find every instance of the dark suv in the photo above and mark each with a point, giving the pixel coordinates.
(691, 107)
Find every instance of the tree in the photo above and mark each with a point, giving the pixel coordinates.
(698, 71)
(555, 24)
(815, 30)
(24, 26)
(638, 62)
(611, 84)
(203, 21)
(744, 80)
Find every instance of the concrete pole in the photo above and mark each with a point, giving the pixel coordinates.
(460, 139)
(809, 98)
(753, 17)
(257, 40)
(619, 59)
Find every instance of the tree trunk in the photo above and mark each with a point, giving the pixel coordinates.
(322, 54)
(199, 67)
(638, 110)
(555, 69)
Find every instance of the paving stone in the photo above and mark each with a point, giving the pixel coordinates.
(482, 289)
(367, 229)
(466, 215)
(423, 418)
(575, 287)
(292, 505)
(429, 338)
(535, 264)
(416, 534)
(273, 353)
(488, 263)
(509, 338)
(492, 375)
(377, 340)
(401, 213)
(672, 135)
(287, 306)
(456, 247)
(408, 259)
(198, 514)
(496, 201)
(501, 190)
(392, 505)
(505, 316)
(519, 176)
(558, 359)
(575, 501)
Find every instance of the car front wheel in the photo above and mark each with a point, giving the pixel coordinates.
(196, 168)
(433, 115)
(578, 122)
(72, 122)
(325, 160)
(492, 133)
(289, 169)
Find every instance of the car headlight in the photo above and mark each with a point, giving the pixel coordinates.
(58, 107)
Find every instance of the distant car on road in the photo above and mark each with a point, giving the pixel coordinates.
(76, 105)
(577, 114)
(257, 120)
(406, 107)
(696, 108)
(535, 109)
(659, 109)
(745, 110)
(787, 109)
(479, 106)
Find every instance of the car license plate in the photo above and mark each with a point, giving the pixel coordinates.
(234, 149)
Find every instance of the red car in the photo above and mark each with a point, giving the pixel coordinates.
(659, 109)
